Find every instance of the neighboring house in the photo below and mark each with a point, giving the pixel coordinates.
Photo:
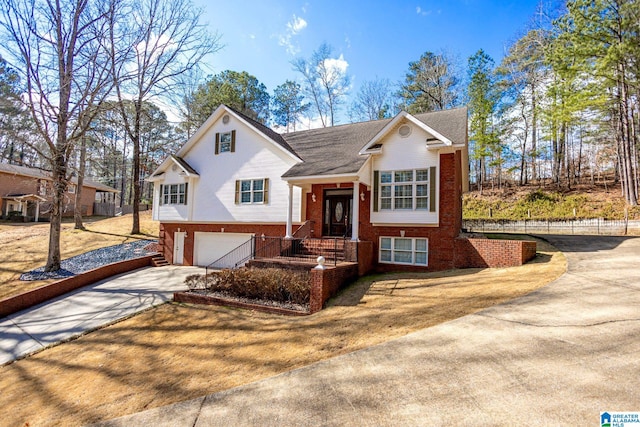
(394, 186)
(27, 192)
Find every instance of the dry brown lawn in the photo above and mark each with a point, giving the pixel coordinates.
(24, 247)
(176, 352)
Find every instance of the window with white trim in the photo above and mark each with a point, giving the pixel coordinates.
(71, 188)
(251, 191)
(225, 142)
(404, 190)
(173, 194)
(403, 250)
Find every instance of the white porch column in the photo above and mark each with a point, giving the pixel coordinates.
(288, 233)
(355, 214)
(37, 210)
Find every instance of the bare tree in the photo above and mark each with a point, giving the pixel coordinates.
(153, 42)
(373, 101)
(56, 47)
(325, 82)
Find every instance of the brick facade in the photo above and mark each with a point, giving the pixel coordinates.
(441, 238)
(20, 184)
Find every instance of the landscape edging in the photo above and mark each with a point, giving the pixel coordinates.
(44, 293)
(192, 298)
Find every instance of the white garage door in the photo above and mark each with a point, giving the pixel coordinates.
(209, 247)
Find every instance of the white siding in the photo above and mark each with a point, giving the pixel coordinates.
(170, 213)
(406, 154)
(214, 192)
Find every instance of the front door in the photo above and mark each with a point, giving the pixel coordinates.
(178, 247)
(337, 215)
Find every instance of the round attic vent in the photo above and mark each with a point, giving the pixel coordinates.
(174, 168)
(225, 119)
(404, 131)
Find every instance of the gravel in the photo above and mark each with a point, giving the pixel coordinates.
(92, 259)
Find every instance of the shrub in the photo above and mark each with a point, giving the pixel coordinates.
(270, 284)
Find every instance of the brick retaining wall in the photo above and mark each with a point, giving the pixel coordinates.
(36, 296)
(482, 253)
(326, 283)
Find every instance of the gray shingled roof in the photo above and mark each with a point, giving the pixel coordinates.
(184, 164)
(267, 131)
(42, 174)
(334, 150)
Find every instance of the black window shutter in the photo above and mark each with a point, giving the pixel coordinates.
(237, 192)
(217, 143)
(186, 193)
(376, 175)
(432, 189)
(233, 141)
(266, 191)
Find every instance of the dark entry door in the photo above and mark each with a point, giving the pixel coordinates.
(337, 220)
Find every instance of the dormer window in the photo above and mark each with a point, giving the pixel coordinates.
(225, 142)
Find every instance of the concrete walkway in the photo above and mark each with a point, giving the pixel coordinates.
(88, 308)
(558, 356)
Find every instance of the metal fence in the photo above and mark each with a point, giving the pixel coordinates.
(595, 226)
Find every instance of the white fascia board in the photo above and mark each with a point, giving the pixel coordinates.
(321, 179)
(163, 166)
(202, 130)
(184, 172)
(446, 141)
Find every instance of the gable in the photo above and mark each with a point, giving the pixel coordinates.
(225, 119)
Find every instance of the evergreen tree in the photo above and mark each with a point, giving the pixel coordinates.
(288, 105)
(483, 101)
(429, 85)
(238, 90)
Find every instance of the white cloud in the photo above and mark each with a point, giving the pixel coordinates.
(337, 65)
(423, 12)
(294, 26)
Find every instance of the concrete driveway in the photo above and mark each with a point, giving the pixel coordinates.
(88, 308)
(558, 356)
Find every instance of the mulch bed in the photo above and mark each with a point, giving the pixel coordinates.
(220, 298)
(93, 259)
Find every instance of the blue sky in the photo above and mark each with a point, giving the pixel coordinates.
(375, 38)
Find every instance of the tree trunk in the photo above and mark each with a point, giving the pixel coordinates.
(135, 229)
(59, 188)
(534, 134)
(77, 209)
(628, 174)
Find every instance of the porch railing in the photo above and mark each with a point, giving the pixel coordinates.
(306, 249)
(304, 231)
(234, 258)
(333, 249)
